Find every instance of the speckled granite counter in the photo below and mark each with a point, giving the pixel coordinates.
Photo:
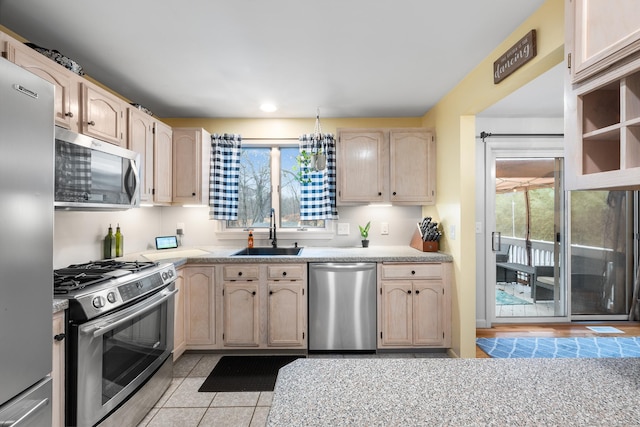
(212, 254)
(60, 304)
(457, 392)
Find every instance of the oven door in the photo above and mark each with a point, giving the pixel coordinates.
(118, 352)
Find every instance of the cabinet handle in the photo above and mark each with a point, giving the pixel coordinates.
(394, 193)
(59, 337)
(413, 272)
(193, 194)
(253, 293)
(379, 193)
(69, 114)
(239, 273)
(91, 123)
(284, 273)
(417, 292)
(270, 292)
(408, 292)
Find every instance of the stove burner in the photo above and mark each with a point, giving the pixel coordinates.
(78, 276)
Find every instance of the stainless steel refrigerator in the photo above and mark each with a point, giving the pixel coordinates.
(26, 246)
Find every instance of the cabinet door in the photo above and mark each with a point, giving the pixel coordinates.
(396, 315)
(286, 314)
(241, 314)
(362, 163)
(199, 305)
(102, 114)
(412, 167)
(191, 157)
(162, 168)
(65, 82)
(58, 371)
(604, 32)
(428, 303)
(179, 335)
(140, 140)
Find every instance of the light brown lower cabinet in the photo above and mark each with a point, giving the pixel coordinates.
(414, 305)
(58, 369)
(241, 310)
(199, 306)
(179, 336)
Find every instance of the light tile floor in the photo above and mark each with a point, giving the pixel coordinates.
(538, 309)
(183, 406)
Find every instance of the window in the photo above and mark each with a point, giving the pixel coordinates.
(268, 179)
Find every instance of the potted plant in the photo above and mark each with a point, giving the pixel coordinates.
(364, 233)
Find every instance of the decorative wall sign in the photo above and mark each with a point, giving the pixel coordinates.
(517, 55)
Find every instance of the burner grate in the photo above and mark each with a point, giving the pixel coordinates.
(78, 276)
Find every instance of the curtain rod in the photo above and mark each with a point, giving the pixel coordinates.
(270, 139)
(484, 135)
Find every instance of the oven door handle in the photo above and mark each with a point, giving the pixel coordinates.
(112, 324)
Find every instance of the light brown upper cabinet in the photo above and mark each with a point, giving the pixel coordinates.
(191, 158)
(140, 140)
(102, 115)
(604, 32)
(386, 166)
(65, 81)
(602, 99)
(162, 163)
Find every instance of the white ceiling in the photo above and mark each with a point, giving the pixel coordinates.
(222, 58)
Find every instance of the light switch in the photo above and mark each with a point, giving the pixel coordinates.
(452, 232)
(343, 229)
(384, 228)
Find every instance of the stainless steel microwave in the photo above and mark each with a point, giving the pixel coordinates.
(94, 175)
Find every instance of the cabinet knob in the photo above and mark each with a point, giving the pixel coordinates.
(239, 273)
(253, 293)
(394, 193)
(193, 194)
(408, 291)
(284, 273)
(270, 292)
(379, 193)
(59, 337)
(69, 114)
(413, 272)
(91, 123)
(417, 292)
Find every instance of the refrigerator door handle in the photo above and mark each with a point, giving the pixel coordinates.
(24, 418)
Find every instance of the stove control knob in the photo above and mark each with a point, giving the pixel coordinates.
(165, 275)
(111, 297)
(98, 302)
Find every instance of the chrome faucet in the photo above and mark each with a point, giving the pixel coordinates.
(272, 228)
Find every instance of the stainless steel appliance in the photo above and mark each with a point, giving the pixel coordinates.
(94, 175)
(119, 339)
(26, 246)
(342, 307)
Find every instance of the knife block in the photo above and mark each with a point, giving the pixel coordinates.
(421, 245)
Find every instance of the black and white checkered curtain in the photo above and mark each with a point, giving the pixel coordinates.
(224, 176)
(318, 192)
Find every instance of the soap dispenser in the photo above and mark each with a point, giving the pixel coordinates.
(250, 239)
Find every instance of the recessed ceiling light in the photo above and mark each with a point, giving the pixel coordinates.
(268, 108)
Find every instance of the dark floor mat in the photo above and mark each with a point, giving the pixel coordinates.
(245, 373)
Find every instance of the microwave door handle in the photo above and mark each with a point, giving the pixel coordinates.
(101, 330)
(131, 179)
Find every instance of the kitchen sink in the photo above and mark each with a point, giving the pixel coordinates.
(267, 251)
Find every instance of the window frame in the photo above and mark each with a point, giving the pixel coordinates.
(223, 232)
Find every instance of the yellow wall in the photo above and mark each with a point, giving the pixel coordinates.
(453, 119)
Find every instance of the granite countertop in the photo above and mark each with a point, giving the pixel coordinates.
(457, 392)
(213, 254)
(60, 305)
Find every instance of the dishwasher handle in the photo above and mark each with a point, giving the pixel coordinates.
(350, 266)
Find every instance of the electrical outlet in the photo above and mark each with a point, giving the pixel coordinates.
(384, 228)
(180, 226)
(343, 229)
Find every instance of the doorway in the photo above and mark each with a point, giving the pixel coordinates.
(525, 220)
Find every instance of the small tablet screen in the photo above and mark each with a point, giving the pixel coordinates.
(166, 242)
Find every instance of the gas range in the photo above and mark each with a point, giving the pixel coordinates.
(98, 287)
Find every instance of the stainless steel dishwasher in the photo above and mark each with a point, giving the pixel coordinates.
(342, 306)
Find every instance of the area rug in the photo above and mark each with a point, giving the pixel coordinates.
(578, 347)
(605, 329)
(245, 373)
(505, 298)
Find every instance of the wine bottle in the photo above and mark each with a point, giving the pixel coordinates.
(109, 249)
(119, 242)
